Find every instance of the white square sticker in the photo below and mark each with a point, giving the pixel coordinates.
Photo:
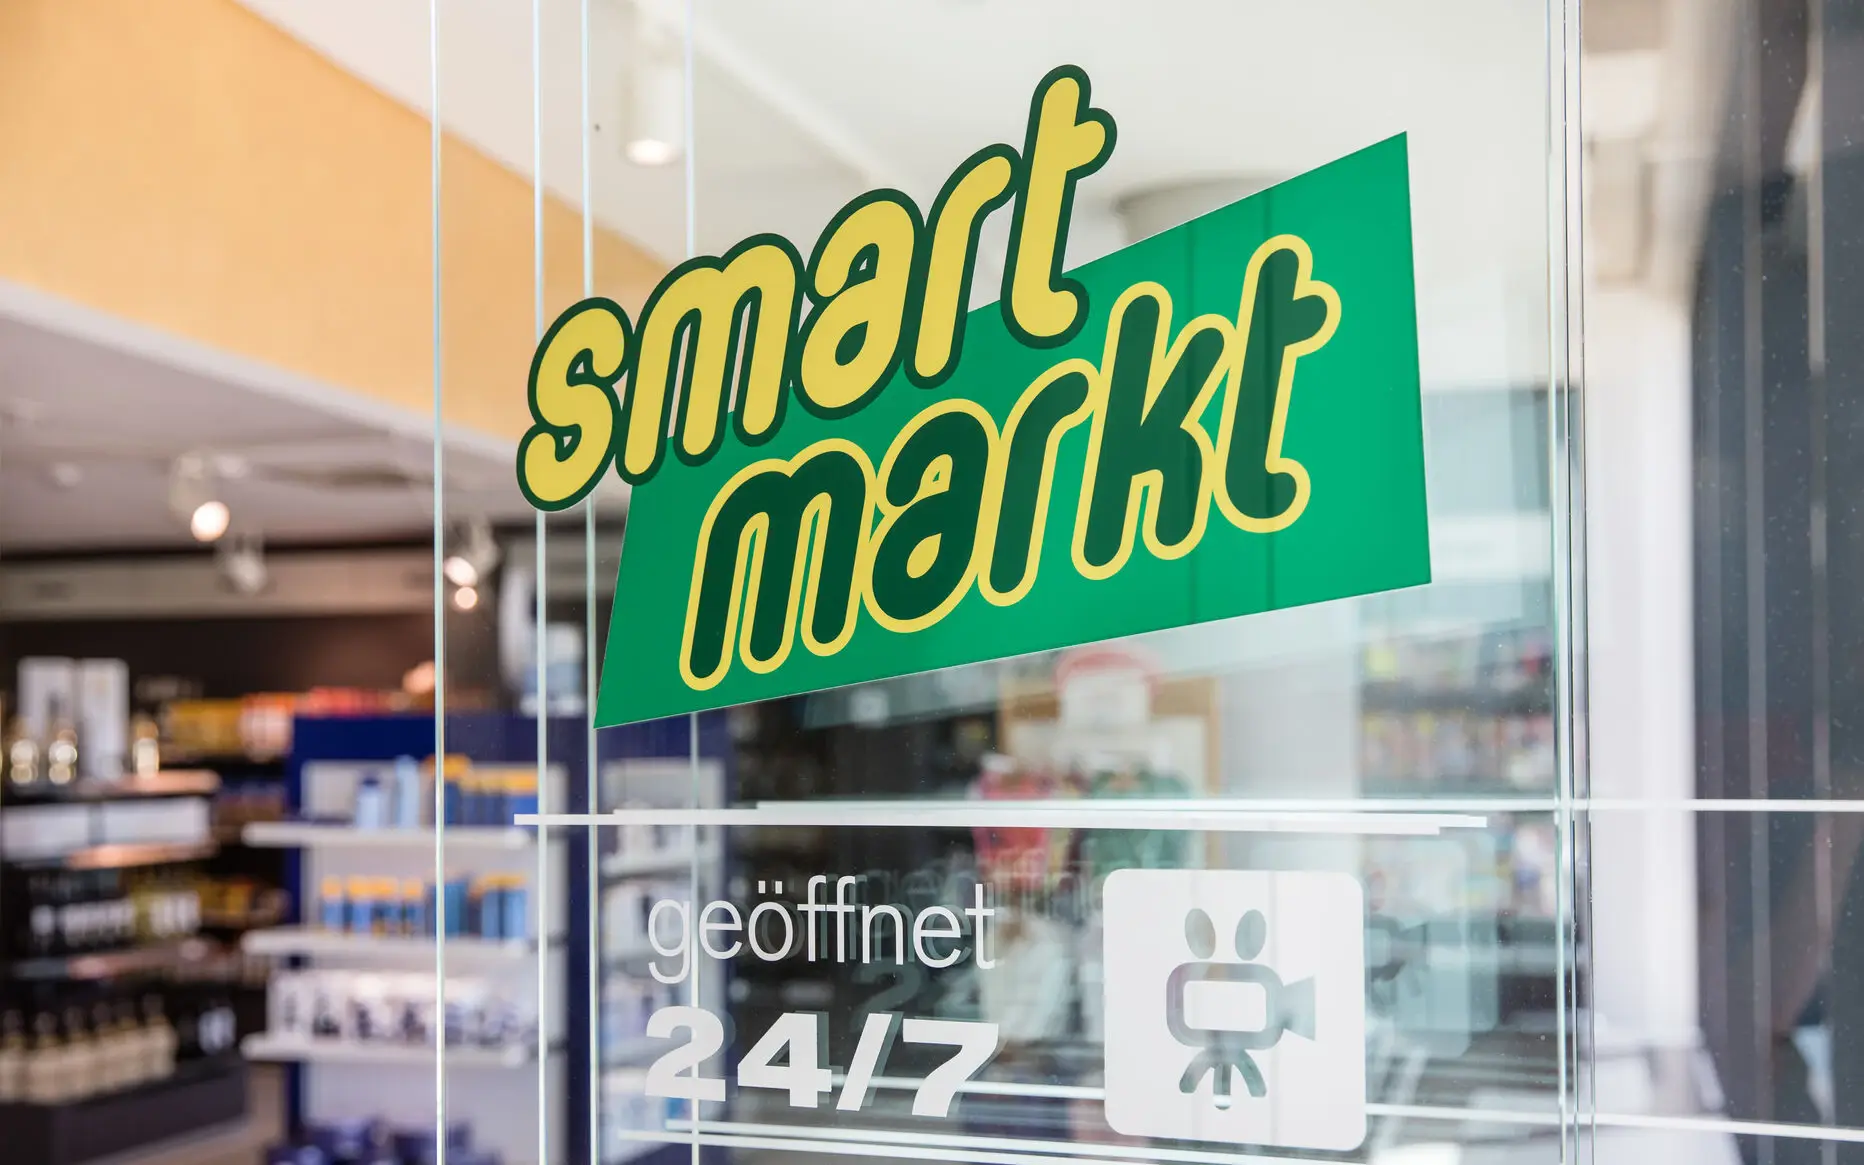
(1236, 1007)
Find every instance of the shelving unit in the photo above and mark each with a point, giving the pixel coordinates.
(80, 829)
(157, 956)
(123, 856)
(329, 835)
(346, 1078)
(617, 866)
(633, 857)
(266, 1047)
(464, 953)
(105, 1126)
(163, 783)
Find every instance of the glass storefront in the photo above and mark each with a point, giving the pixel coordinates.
(1298, 884)
(1220, 581)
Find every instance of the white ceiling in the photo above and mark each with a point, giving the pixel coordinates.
(798, 107)
(801, 106)
(94, 412)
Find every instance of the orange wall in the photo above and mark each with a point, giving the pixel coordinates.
(188, 166)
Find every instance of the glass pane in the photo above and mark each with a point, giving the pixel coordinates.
(999, 908)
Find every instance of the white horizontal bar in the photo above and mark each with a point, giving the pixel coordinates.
(314, 835)
(912, 1152)
(266, 1046)
(1696, 1124)
(1054, 815)
(1523, 804)
(914, 1138)
(1716, 805)
(1711, 1124)
(994, 1088)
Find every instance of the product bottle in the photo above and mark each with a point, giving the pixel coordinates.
(61, 754)
(331, 905)
(45, 1062)
(12, 1059)
(126, 913)
(109, 1048)
(42, 918)
(81, 1063)
(408, 790)
(137, 1050)
(146, 747)
(161, 1036)
(22, 756)
(414, 908)
(369, 809)
(190, 898)
(515, 901)
(356, 897)
(64, 902)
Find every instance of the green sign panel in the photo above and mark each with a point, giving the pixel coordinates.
(841, 474)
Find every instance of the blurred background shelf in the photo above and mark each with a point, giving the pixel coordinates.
(156, 956)
(121, 855)
(307, 835)
(206, 1095)
(672, 861)
(464, 953)
(265, 1046)
(165, 783)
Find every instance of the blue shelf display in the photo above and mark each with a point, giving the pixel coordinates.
(497, 739)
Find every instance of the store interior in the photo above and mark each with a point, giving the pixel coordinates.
(249, 535)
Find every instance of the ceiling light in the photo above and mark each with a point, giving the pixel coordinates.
(209, 521)
(66, 474)
(466, 598)
(652, 152)
(475, 555)
(656, 118)
(242, 563)
(192, 497)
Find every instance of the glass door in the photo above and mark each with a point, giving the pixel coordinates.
(1159, 431)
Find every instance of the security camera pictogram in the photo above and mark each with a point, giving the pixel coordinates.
(1286, 1007)
(1235, 1006)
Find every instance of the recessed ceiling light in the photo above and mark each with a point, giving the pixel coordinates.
(209, 521)
(656, 121)
(460, 572)
(466, 598)
(652, 152)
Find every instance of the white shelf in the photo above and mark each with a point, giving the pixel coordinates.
(632, 953)
(308, 835)
(266, 1046)
(676, 861)
(635, 1053)
(464, 952)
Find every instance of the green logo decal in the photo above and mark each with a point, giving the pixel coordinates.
(1218, 420)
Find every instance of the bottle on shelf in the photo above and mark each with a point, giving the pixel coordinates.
(12, 1058)
(41, 939)
(159, 1040)
(135, 1047)
(111, 1041)
(145, 747)
(61, 754)
(44, 1074)
(22, 756)
(82, 1067)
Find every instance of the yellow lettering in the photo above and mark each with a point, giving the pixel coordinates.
(1067, 141)
(705, 300)
(975, 188)
(874, 240)
(572, 399)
